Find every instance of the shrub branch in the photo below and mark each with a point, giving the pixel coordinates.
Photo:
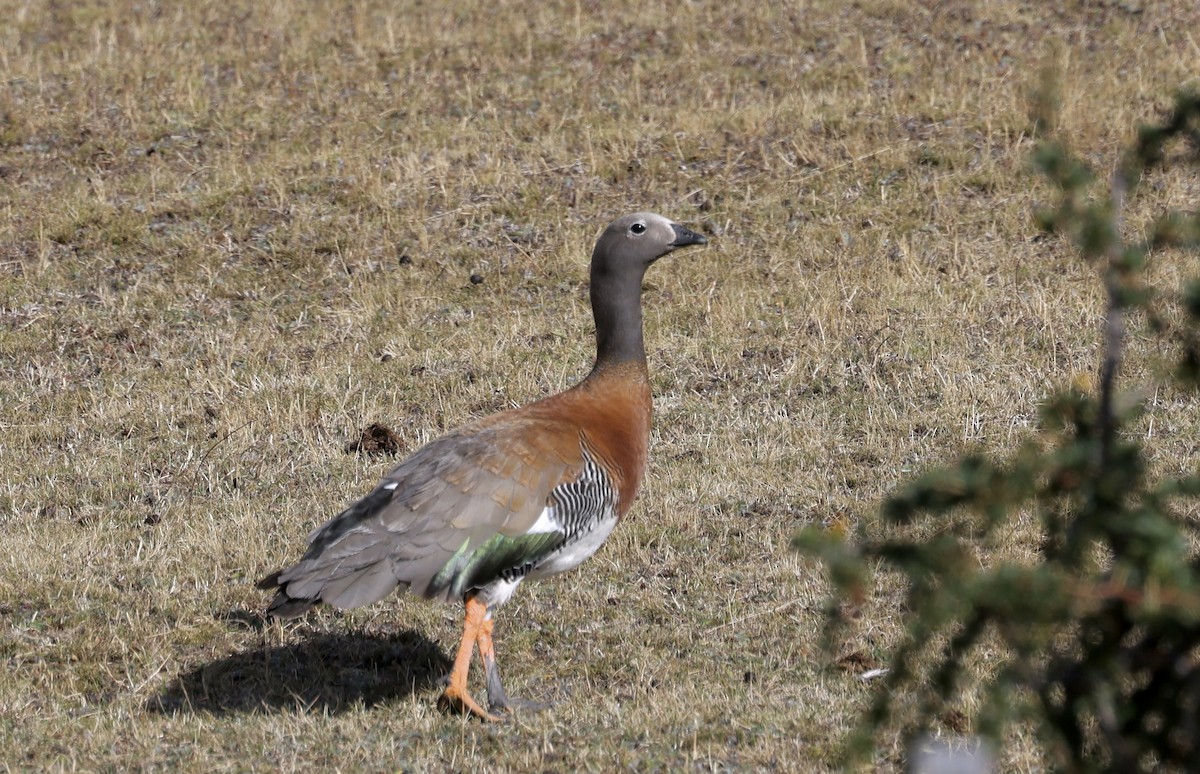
(1100, 632)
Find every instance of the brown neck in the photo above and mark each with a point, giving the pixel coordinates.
(615, 399)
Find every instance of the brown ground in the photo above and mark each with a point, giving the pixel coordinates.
(236, 233)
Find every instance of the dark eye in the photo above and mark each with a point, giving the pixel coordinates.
(638, 228)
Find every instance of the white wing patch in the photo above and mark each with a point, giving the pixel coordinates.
(546, 522)
(582, 513)
(573, 553)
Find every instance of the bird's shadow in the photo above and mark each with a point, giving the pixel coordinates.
(328, 673)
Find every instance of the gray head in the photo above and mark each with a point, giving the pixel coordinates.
(632, 242)
(623, 253)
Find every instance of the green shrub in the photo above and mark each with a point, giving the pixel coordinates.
(1102, 631)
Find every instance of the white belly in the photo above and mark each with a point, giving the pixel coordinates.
(570, 555)
(498, 592)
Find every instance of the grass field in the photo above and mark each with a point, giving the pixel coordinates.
(235, 234)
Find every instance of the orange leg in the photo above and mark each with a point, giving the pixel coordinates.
(456, 697)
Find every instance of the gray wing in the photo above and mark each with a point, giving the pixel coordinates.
(428, 523)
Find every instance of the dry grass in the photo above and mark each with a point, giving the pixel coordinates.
(202, 297)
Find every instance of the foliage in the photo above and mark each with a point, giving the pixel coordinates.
(1101, 630)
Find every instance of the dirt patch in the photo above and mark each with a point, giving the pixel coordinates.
(375, 439)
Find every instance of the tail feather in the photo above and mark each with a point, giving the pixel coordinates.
(299, 591)
(361, 587)
(354, 560)
(269, 582)
(285, 605)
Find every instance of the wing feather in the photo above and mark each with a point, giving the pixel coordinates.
(426, 522)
